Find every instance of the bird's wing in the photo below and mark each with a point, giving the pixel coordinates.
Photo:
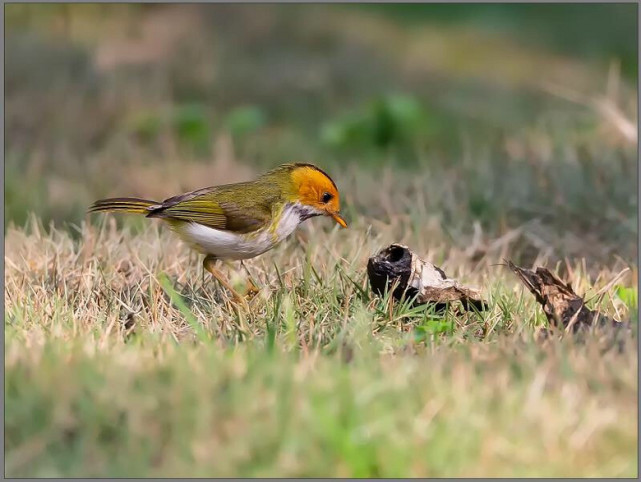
(216, 208)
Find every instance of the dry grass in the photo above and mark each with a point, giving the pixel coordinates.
(106, 376)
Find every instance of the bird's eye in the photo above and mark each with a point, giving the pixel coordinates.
(326, 197)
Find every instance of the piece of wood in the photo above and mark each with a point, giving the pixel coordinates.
(563, 308)
(412, 277)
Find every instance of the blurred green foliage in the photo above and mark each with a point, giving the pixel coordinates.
(192, 126)
(390, 120)
(245, 120)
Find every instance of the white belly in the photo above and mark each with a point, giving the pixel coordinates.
(228, 245)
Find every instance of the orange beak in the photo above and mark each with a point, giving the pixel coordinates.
(339, 219)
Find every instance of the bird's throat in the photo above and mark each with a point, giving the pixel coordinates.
(292, 215)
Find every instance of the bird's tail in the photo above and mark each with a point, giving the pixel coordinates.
(122, 204)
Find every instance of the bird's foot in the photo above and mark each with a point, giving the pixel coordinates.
(236, 298)
(251, 290)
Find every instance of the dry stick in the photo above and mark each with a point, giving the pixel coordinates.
(607, 287)
(603, 106)
(601, 293)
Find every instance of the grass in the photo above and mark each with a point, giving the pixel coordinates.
(158, 409)
(123, 357)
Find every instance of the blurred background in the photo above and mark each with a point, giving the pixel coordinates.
(474, 118)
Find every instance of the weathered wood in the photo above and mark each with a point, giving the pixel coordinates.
(412, 277)
(563, 308)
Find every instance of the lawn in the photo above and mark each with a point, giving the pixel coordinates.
(123, 358)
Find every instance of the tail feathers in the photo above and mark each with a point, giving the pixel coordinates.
(122, 204)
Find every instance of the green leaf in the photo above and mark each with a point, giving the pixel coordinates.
(629, 296)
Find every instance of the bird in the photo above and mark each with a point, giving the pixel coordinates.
(242, 220)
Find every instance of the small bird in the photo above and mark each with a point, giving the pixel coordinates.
(242, 220)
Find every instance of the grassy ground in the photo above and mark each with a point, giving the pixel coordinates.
(122, 358)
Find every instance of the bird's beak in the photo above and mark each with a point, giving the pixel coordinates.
(339, 219)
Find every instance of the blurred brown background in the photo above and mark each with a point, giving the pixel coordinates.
(495, 114)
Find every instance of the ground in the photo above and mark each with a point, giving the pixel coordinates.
(124, 358)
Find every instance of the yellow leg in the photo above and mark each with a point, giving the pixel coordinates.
(209, 264)
(252, 289)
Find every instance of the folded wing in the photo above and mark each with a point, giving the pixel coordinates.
(218, 208)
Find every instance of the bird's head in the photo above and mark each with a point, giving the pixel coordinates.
(314, 189)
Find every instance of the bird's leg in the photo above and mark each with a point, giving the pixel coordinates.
(252, 289)
(209, 264)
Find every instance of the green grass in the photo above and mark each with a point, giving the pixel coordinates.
(154, 409)
(122, 359)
